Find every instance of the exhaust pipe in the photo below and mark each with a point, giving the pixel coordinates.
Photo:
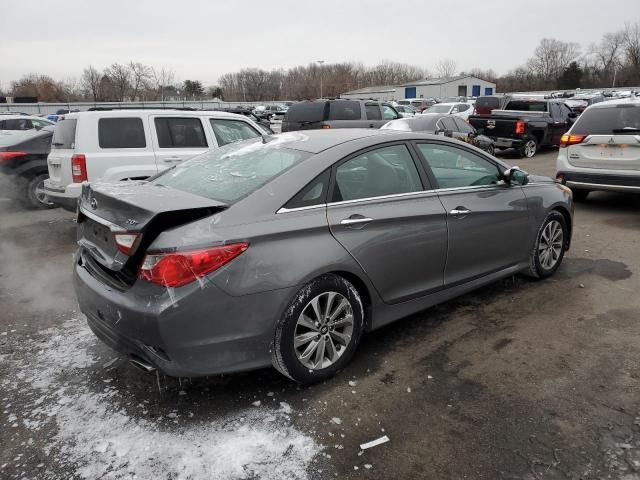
(142, 365)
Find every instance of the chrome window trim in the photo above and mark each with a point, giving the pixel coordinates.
(419, 193)
(384, 197)
(472, 187)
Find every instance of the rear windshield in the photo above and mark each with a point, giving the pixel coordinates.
(306, 112)
(64, 135)
(439, 109)
(493, 102)
(229, 173)
(609, 121)
(344, 110)
(527, 106)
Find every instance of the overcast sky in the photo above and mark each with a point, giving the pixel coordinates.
(201, 40)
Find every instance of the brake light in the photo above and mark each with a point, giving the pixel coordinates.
(125, 242)
(175, 269)
(5, 156)
(326, 126)
(79, 168)
(569, 139)
(520, 127)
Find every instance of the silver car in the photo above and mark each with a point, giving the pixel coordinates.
(285, 250)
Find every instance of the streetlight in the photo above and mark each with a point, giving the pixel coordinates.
(320, 62)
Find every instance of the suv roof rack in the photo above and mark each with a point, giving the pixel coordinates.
(107, 109)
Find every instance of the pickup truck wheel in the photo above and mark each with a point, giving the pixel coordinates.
(34, 196)
(529, 148)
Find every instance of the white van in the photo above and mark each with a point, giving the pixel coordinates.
(117, 145)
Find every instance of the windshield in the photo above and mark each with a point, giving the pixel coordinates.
(229, 173)
(439, 109)
(609, 121)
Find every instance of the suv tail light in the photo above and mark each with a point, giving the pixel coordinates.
(5, 156)
(519, 127)
(79, 168)
(175, 269)
(569, 139)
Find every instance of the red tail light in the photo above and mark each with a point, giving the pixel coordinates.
(519, 127)
(175, 269)
(5, 156)
(79, 168)
(125, 242)
(569, 139)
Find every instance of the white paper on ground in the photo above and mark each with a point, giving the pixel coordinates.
(374, 443)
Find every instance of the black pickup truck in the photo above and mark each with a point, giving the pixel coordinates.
(526, 124)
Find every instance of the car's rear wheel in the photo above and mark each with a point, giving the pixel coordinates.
(34, 194)
(319, 330)
(529, 148)
(580, 195)
(490, 150)
(549, 247)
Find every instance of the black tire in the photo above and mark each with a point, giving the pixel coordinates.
(536, 267)
(529, 147)
(580, 195)
(490, 150)
(32, 196)
(284, 354)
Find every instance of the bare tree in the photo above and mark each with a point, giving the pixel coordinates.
(550, 58)
(446, 67)
(120, 77)
(631, 36)
(90, 81)
(162, 78)
(141, 76)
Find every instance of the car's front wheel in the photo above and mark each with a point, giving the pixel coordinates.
(549, 247)
(319, 330)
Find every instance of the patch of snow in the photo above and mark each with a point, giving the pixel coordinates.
(95, 437)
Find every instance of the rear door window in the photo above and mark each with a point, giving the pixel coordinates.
(373, 111)
(177, 132)
(64, 134)
(121, 133)
(619, 120)
(379, 172)
(17, 124)
(230, 131)
(306, 112)
(344, 110)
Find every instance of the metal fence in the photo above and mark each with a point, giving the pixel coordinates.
(49, 108)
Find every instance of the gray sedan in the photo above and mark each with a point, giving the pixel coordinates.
(284, 251)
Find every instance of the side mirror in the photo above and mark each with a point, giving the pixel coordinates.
(515, 176)
(38, 127)
(448, 133)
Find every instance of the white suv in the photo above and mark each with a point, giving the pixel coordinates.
(601, 151)
(117, 145)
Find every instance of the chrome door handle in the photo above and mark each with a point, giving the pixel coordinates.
(353, 221)
(460, 211)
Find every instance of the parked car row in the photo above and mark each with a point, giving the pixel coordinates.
(188, 235)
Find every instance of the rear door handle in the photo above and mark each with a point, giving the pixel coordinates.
(460, 212)
(355, 221)
(172, 159)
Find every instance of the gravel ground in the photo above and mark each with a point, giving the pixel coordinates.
(518, 380)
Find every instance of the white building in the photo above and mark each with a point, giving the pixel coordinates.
(439, 88)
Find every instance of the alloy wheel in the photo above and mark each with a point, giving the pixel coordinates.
(530, 148)
(324, 330)
(40, 194)
(550, 245)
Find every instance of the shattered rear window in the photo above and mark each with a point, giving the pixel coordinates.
(229, 173)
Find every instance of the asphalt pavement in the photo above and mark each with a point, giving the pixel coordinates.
(519, 380)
